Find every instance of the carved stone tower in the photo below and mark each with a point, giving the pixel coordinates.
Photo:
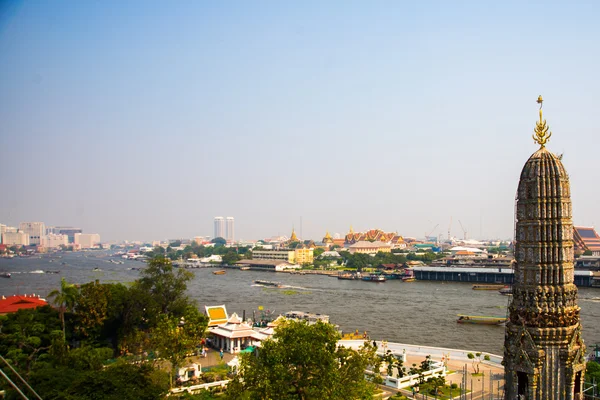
(543, 348)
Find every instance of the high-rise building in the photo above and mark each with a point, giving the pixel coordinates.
(230, 229)
(220, 227)
(543, 349)
(87, 240)
(65, 230)
(52, 241)
(35, 230)
(15, 239)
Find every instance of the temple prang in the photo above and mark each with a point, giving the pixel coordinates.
(543, 347)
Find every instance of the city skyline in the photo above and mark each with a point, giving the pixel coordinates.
(397, 116)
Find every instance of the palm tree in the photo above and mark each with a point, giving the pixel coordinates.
(64, 299)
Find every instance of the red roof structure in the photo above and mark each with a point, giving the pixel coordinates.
(15, 303)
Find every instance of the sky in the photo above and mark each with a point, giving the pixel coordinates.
(143, 120)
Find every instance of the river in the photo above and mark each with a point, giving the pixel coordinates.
(406, 312)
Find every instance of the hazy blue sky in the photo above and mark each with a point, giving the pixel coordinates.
(144, 120)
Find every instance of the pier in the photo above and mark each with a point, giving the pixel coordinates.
(486, 275)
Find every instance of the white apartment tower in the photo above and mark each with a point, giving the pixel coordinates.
(35, 230)
(219, 228)
(230, 225)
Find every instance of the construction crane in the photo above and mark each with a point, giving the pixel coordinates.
(463, 229)
(429, 234)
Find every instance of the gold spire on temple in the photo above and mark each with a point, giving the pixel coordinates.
(541, 134)
(293, 238)
(327, 239)
(351, 230)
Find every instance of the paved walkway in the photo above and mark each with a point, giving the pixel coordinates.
(212, 358)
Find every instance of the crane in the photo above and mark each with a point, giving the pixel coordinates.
(429, 234)
(463, 229)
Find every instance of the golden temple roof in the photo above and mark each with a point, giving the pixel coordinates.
(293, 238)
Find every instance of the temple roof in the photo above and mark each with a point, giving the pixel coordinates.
(216, 315)
(17, 302)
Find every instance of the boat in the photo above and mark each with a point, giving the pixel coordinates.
(5, 275)
(351, 276)
(489, 286)
(480, 319)
(373, 278)
(408, 279)
(244, 268)
(269, 283)
(219, 272)
(506, 291)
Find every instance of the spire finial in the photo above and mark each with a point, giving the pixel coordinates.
(541, 135)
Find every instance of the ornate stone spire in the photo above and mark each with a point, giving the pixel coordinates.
(543, 348)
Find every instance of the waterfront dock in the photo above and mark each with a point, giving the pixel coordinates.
(490, 275)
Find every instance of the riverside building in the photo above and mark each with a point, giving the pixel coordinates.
(544, 351)
(35, 230)
(87, 240)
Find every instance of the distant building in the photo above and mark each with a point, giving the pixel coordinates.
(365, 247)
(53, 241)
(293, 256)
(67, 230)
(230, 229)
(586, 239)
(269, 265)
(15, 239)
(87, 240)
(285, 255)
(303, 256)
(219, 230)
(375, 235)
(327, 240)
(35, 230)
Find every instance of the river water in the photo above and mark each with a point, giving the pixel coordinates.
(417, 312)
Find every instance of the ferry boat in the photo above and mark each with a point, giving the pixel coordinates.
(351, 276)
(244, 268)
(489, 286)
(269, 283)
(219, 272)
(480, 319)
(408, 279)
(5, 275)
(373, 278)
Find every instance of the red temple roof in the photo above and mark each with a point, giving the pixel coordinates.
(14, 303)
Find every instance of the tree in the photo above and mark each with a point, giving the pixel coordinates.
(28, 334)
(64, 298)
(230, 258)
(587, 253)
(92, 309)
(477, 359)
(317, 252)
(175, 338)
(592, 372)
(122, 381)
(219, 241)
(303, 362)
(164, 289)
